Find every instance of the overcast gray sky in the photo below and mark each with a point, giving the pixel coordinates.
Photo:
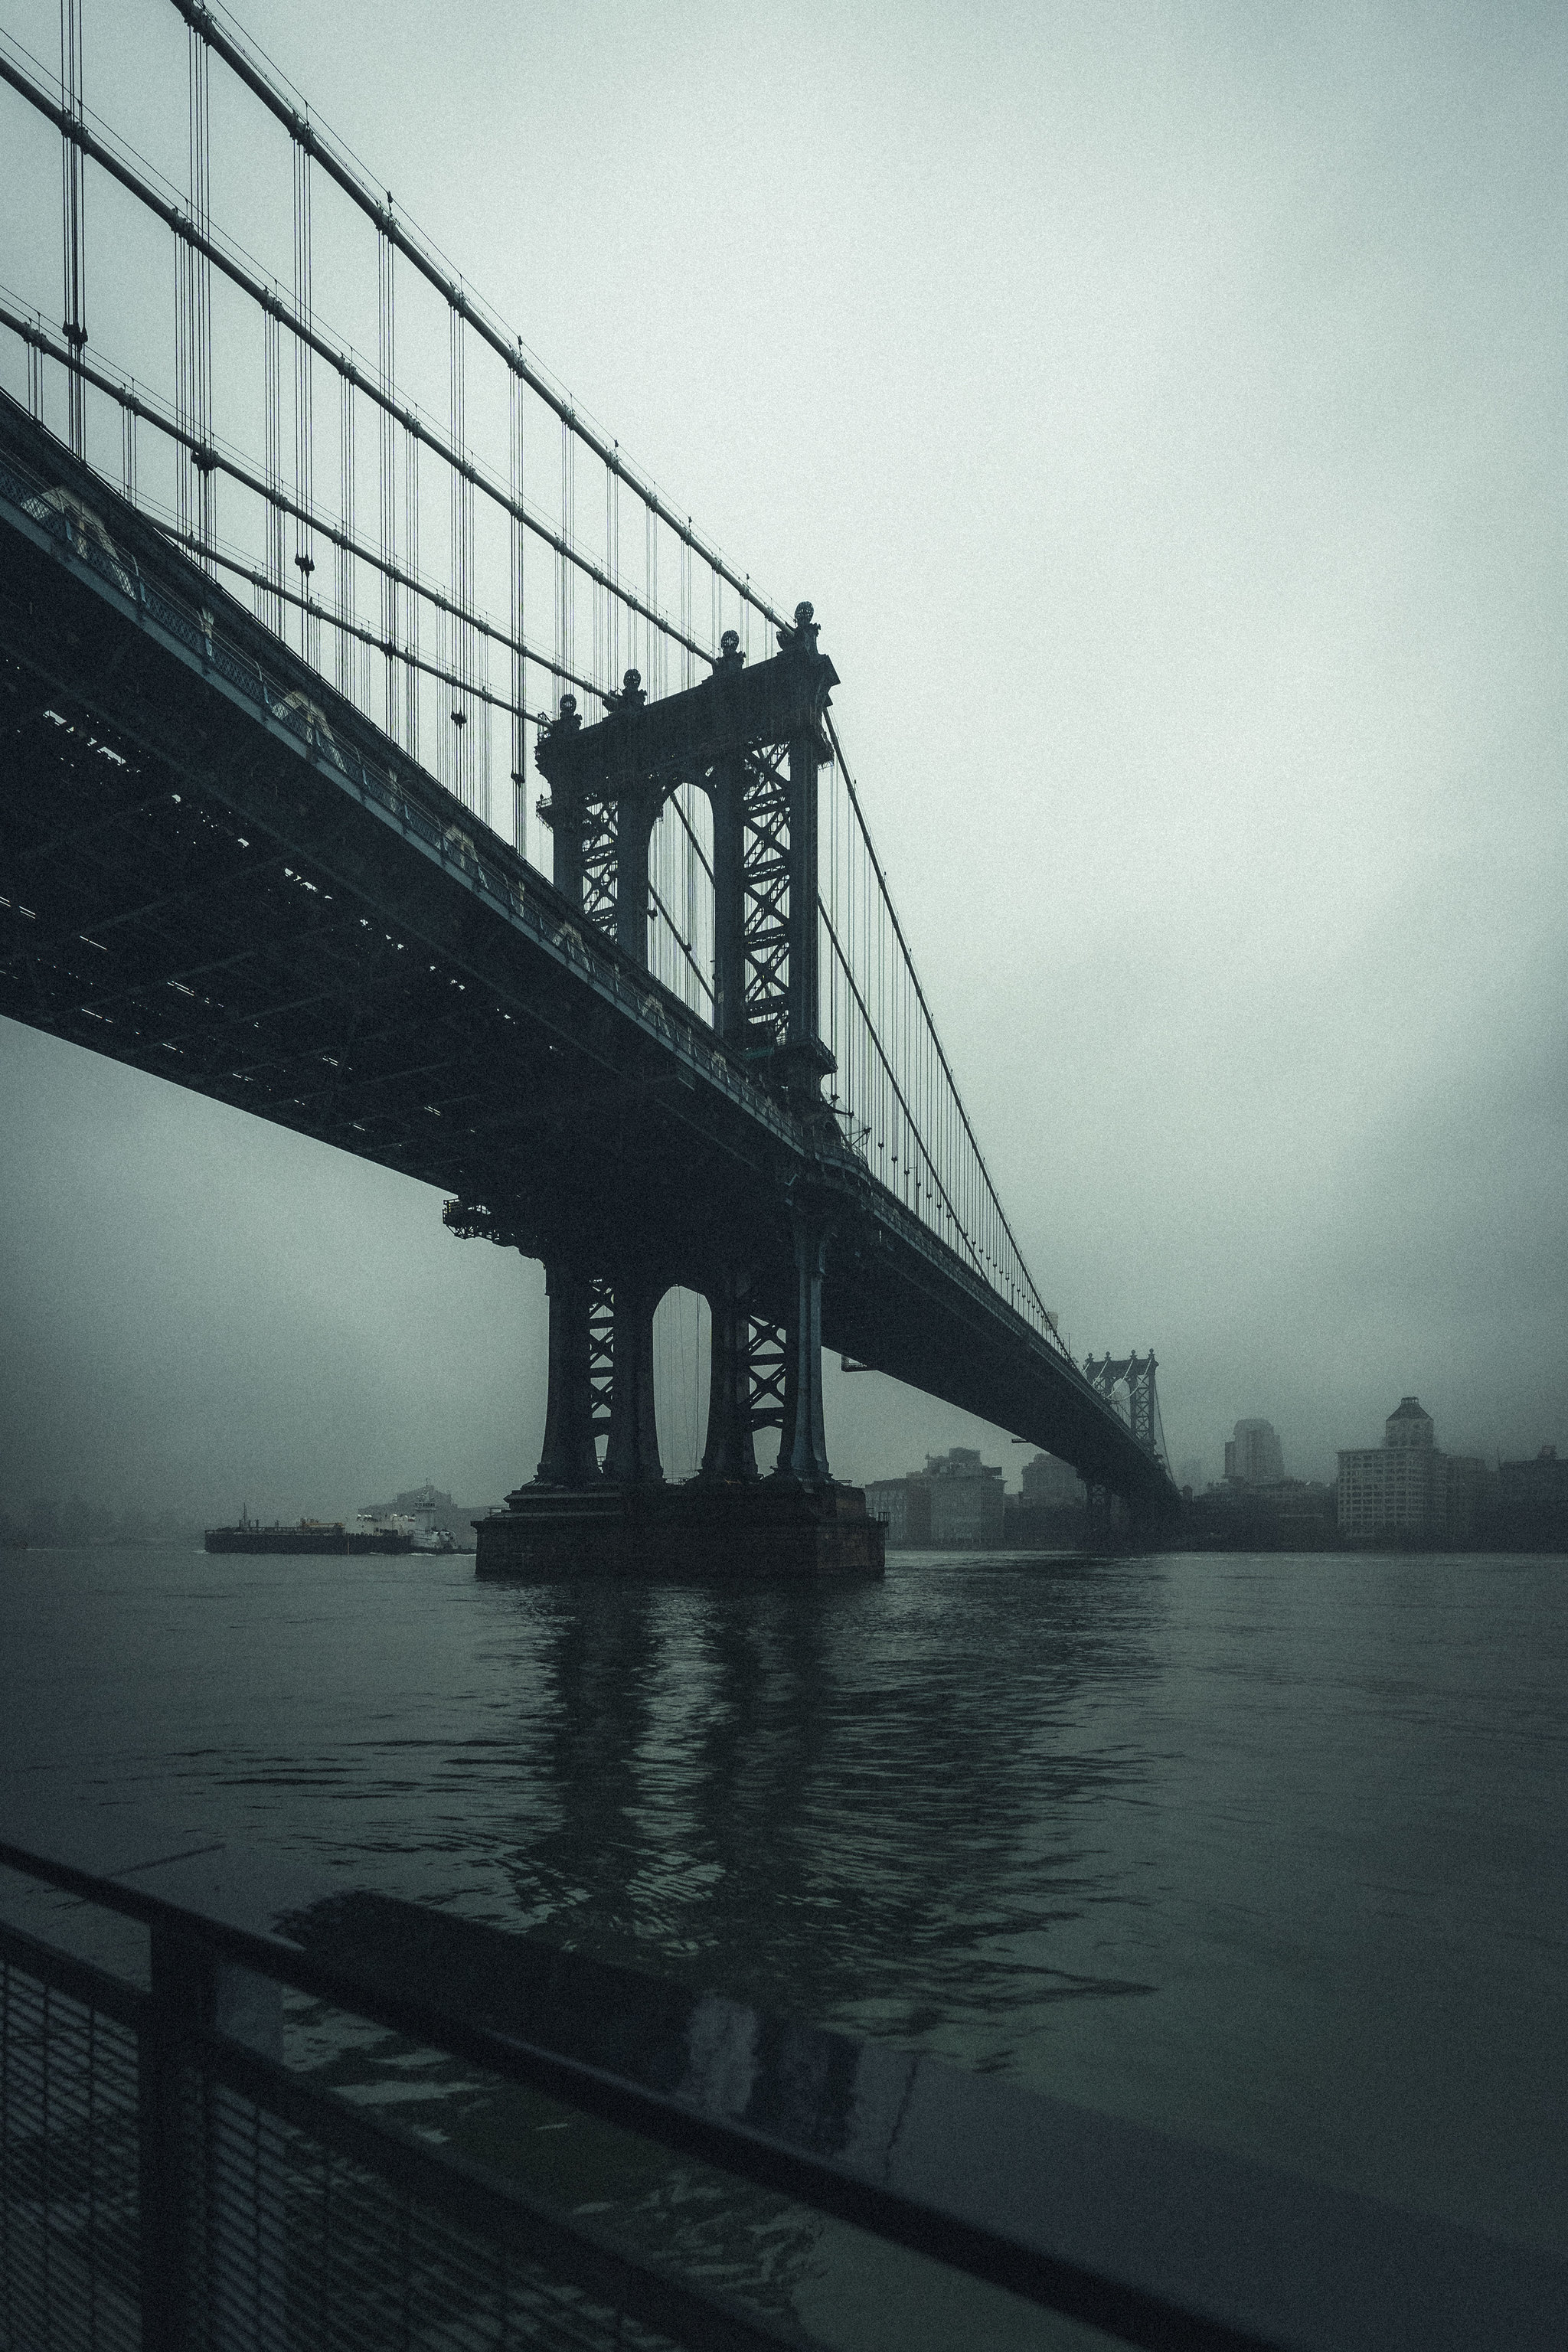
(1163, 409)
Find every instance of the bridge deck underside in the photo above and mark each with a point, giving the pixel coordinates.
(188, 898)
(195, 892)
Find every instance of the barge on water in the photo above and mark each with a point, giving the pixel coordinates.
(309, 1536)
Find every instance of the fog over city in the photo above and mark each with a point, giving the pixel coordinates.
(1163, 409)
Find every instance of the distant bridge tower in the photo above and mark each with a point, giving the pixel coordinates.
(1127, 1383)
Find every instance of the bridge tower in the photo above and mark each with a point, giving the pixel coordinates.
(1133, 1375)
(752, 739)
(1127, 1382)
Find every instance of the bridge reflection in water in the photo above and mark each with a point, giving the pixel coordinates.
(824, 1806)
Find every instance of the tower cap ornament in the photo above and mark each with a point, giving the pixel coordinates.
(802, 638)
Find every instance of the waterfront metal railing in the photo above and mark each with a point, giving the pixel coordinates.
(171, 2178)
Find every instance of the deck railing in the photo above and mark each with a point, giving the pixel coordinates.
(174, 2176)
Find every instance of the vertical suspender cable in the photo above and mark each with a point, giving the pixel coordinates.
(653, 661)
(481, 756)
(411, 564)
(386, 377)
(833, 895)
(272, 467)
(348, 645)
(614, 567)
(856, 958)
(693, 893)
(305, 444)
(909, 1059)
(73, 220)
(464, 754)
(905, 1063)
(600, 604)
(198, 325)
(568, 546)
(450, 733)
(881, 1061)
(185, 255)
(515, 577)
(562, 566)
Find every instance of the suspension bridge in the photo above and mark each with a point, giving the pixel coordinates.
(385, 756)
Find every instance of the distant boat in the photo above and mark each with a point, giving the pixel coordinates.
(400, 1523)
(309, 1536)
(382, 1521)
(439, 1525)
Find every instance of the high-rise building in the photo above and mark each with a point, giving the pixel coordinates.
(1253, 1456)
(1405, 1486)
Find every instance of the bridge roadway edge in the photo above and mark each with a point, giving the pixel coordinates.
(639, 1092)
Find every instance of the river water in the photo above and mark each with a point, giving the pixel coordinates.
(1271, 1852)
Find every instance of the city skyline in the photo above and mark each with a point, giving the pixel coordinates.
(96, 1500)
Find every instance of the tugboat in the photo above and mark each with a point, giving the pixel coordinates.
(309, 1536)
(433, 1518)
(435, 1541)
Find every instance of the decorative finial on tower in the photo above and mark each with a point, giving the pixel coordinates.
(802, 638)
(730, 658)
(631, 696)
(568, 723)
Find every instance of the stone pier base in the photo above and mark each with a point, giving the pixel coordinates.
(737, 1533)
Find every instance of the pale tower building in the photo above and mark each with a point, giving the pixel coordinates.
(1405, 1486)
(1253, 1456)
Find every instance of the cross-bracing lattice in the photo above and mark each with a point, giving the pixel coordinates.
(764, 871)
